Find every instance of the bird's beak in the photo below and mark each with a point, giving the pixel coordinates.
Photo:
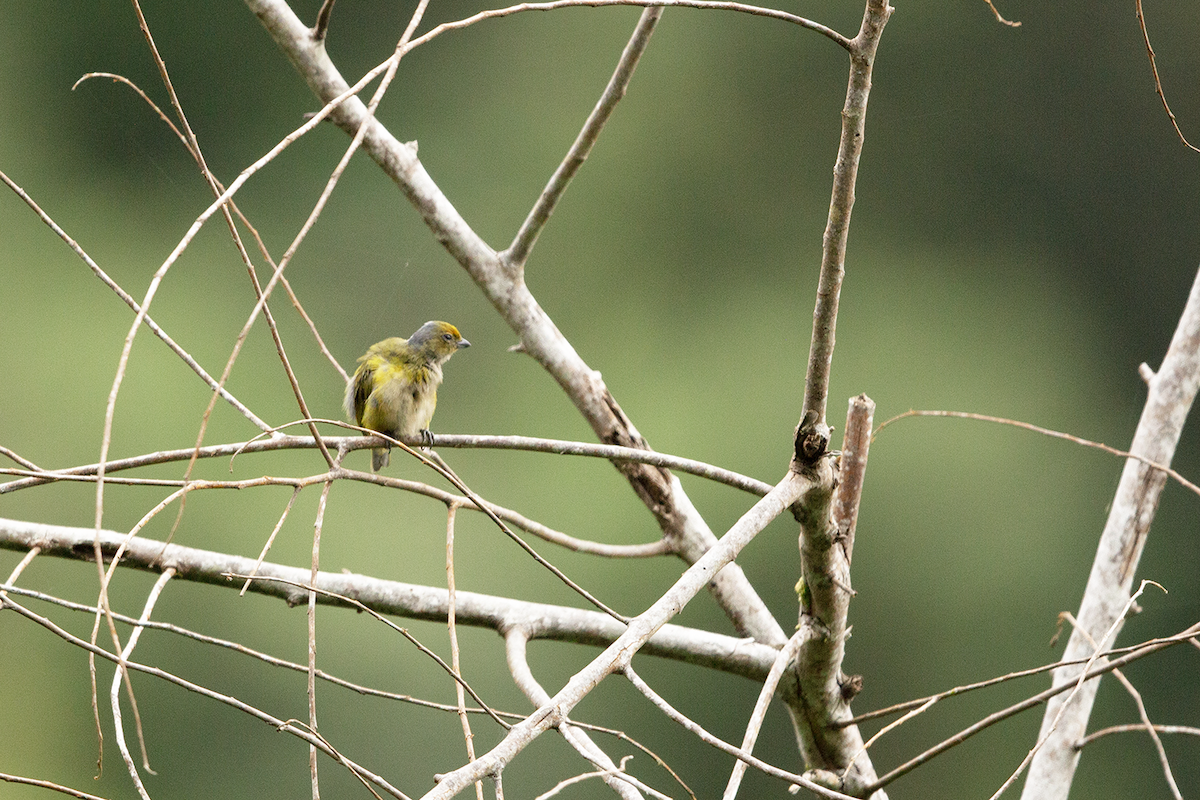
(463, 343)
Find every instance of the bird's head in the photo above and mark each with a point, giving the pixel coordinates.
(437, 341)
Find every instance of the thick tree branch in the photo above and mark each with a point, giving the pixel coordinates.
(539, 620)
(833, 753)
(1171, 393)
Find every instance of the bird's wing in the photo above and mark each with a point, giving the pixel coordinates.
(358, 390)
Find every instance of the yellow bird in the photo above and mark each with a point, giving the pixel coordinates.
(394, 389)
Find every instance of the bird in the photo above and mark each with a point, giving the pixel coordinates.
(394, 388)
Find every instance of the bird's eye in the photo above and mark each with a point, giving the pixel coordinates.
(447, 337)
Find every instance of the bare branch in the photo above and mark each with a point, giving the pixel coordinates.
(617, 656)
(504, 287)
(515, 639)
(837, 228)
(518, 252)
(542, 620)
(1157, 82)
(1171, 393)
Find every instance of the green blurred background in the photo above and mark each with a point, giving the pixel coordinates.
(1025, 234)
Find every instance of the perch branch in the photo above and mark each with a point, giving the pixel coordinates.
(504, 287)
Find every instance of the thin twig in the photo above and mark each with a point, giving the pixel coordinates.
(1157, 82)
(350, 601)
(271, 539)
(133, 304)
(1147, 725)
(444, 470)
(1137, 728)
(716, 5)
(526, 443)
(786, 654)
(233, 702)
(703, 735)
(311, 688)
(1032, 702)
(1182, 481)
(4, 776)
(1049, 730)
(518, 252)
(604, 773)
(274, 661)
(999, 18)
(452, 630)
(114, 693)
(20, 567)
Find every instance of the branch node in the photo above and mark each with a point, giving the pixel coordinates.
(812, 439)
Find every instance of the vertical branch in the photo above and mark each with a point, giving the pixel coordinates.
(121, 671)
(455, 662)
(832, 751)
(855, 445)
(1172, 391)
(312, 628)
(834, 754)
(837, 228)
